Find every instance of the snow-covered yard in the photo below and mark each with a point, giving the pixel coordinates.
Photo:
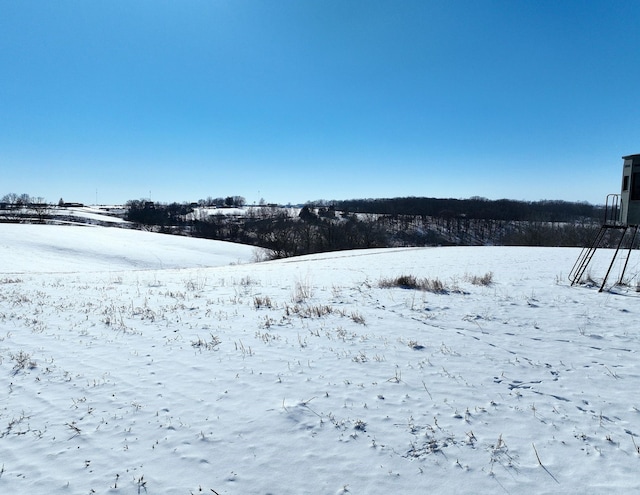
(133, 362)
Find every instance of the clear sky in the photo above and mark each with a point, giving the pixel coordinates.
(297, 100)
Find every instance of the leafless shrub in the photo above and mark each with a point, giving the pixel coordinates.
(402, 281)
(210, 345)
(23, 361)
(485, 280)
(259, 255)
(302, 291)
(434, 285)
(360, 425)
(358, 318)
(412, 282)
(321, 310)
(262, 302)
(16, 426)
(307, 311)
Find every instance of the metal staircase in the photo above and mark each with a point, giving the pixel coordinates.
(611, 222)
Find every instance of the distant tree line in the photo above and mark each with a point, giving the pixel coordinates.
(146, 212)
(326, 226)
(228, 202)
(360, 223)
(475, 207)
(169, 215)
(22, 207)
(285, 234)
(326, 229)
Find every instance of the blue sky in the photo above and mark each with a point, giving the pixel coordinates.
(292, 100)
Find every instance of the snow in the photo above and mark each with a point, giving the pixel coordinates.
(140, 363)
(88, 213)
(62, 248)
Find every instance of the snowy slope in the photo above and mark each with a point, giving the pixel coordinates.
(88, 214)
(58, 248)
(305, 376)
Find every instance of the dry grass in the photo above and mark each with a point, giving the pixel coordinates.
(484, 280)
(414, 283)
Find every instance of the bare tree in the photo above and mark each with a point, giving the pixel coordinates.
(12, 207)
(39, 208)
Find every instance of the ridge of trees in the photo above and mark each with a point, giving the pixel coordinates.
(322, 225)
(474, 207)
(14, 207)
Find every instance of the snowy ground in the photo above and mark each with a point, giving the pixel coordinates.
(57, 248)
(141, 363)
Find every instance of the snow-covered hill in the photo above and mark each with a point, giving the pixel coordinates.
(304, 375)
(66, 248)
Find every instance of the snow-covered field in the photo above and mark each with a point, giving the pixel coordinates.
(56, 248)
(139, 363)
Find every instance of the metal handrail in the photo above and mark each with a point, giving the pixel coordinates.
(612, 210)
